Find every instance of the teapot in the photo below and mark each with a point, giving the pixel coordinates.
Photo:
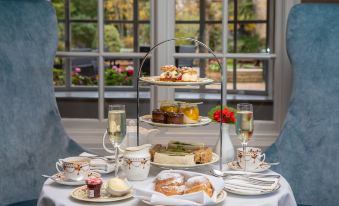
(137, 162)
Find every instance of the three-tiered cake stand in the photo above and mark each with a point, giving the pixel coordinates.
(202, 81)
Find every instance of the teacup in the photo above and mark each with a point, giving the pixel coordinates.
(74, 168)
(252, 158)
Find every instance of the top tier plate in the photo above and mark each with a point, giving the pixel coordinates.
(155, 80)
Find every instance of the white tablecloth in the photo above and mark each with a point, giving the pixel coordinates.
(53, 194)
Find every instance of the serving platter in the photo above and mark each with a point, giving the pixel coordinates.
(220, 198)
(155, 80)
(202, 121)
(215, 158)
(80, 193)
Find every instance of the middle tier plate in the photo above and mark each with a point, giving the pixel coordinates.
(202, 121)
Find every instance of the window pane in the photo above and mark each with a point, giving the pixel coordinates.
(119, 37)
(61, 37)
(84, 37)
(213, 10)
(186, 30)
(212, 71)
(119, 72)
(144, 35)
(59, 8)
(251, 38)
(118, 9)
(252, 9)
(81, 9)
(213, 37)
(144, 9)
(251, 74)
(59, 78)
(187, 10)
(84, 71)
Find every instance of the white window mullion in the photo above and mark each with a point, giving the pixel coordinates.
(101, 94)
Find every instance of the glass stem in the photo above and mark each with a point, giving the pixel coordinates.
(116, 160)
(244, 145)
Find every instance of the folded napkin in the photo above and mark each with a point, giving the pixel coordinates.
(99, 164)
(248, 184)
(147, 192)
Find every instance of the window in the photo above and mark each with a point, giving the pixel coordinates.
(101, 43)
(249, 32)
(126, 32)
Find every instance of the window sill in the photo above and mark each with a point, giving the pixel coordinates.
(146, 95)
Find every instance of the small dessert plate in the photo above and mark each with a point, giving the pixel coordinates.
(60, 179)
(220, 198)
(202, 121)
(215, 158)
(234, 165)
(155, 80)
(81, 193)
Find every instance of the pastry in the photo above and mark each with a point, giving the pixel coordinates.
(169, 73)
(158, 116)
(203, 155)
(189, 74)
(173, 74)
(170, 190)
(170, 183)
(169, 179)
(174, 118)
(198, 183)
(177, 158)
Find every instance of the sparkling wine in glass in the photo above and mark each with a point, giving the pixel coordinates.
(244, 126)
(116, 128)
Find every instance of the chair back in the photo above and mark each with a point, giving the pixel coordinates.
(32, 137)
(307, 147)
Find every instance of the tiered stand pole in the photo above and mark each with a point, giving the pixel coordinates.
(221, 94)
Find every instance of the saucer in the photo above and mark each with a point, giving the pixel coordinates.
(61, 179)
(81, 193)
(234, 165)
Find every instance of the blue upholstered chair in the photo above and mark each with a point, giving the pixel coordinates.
(32, 137)
(308, 146)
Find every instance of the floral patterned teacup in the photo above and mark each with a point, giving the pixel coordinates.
(74, 168)
(253, 157)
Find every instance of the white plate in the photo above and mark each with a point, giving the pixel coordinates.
(215, 158)
(261, 168)
(80, 193)
(202, 121)
(60, 178)
(154, 80)
(251, 192)
(220, 198)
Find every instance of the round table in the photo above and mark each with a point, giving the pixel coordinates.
(54, 194)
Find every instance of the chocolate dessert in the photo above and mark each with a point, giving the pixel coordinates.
(158, 116)
(174, 118)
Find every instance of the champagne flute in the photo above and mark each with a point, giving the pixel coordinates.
(116, 129)
(244, 126)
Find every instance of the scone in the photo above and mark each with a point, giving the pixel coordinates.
(169, 179)
(198, 183)
(169, 183)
